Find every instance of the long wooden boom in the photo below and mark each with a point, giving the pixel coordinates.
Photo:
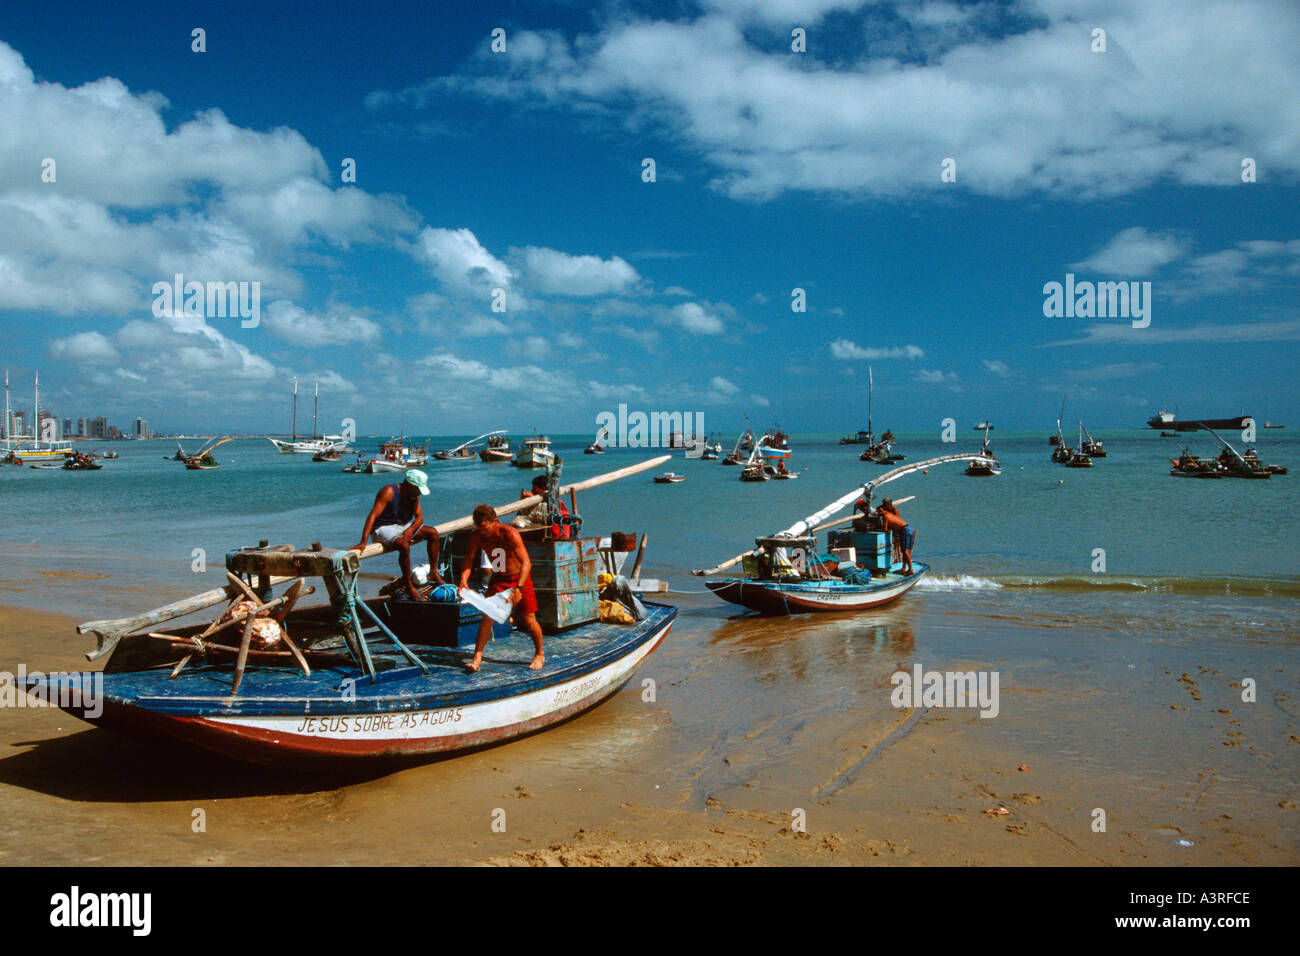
(108, 632)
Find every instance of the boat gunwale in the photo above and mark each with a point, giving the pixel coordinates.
(383, 695)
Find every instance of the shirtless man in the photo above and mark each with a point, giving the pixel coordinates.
(900, 531)
(504, 549)
(396, 522)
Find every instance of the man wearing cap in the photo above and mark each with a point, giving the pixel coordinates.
(395, 522)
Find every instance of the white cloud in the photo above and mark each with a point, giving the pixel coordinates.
(1232, 333)
(694, 318)
(845, 349)
(998, 368)
(722, 386)
(84, 348)
(338, 326)
(461, 264)
(935, 377)
(1012, 92)
(551, 272)
(1135, 252)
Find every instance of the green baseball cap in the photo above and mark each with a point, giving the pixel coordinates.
(419, 479)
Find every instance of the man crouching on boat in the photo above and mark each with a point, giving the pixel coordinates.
(396, 522)
(511, 572)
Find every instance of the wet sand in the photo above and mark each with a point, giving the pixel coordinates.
(752, 720)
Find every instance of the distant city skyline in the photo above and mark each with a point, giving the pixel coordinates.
(477, 216)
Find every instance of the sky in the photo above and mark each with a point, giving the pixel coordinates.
(836, 185)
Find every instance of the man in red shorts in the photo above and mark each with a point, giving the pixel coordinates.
(511, 571)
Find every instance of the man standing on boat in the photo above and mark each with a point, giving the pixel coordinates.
(899, 530)
(512, 569)
(396, 522)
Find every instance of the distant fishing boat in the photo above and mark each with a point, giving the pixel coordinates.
(203, 460)
(79, 462)
(497, 450)
(110, 455)
(356, 679)
(396, 455)
(669, 478)
(983, 426)
(787, 574)
(986, 465)
(465, 451)
(596, 448)
(1090, 446)
(743, 443)
(1078, 458)
(1188, 465)
(308, 446)
(774, 445)
(1271, 425)
(1237, 465)
(534, 453)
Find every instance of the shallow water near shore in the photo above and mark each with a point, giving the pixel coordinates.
(1119, 691)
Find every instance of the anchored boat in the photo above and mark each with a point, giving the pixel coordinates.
(396, 455)
(497, 450)
(786, 574)
(317, 444)
(356, 678)
(465, 452)
(985, 466)
(203, 460)
(534, 453)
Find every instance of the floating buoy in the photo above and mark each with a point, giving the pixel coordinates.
(926, 472)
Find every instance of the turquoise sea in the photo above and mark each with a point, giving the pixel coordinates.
(1022, 543)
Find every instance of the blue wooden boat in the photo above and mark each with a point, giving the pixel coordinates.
(786, 573)
(411, 708)
(352, 679)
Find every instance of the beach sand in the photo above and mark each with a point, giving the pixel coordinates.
(752, 722)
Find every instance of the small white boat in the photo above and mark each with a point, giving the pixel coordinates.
(534, 453)
(396, 455)
(669, 478)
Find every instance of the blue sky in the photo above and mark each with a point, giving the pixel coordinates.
(775, 170)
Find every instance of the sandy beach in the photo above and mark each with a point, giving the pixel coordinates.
(1160, 746)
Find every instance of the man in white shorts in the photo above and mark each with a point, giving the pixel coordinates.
(396, 522)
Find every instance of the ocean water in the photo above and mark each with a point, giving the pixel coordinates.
(89, 542)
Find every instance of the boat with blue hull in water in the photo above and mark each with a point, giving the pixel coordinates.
(377, 678)
(786, 573)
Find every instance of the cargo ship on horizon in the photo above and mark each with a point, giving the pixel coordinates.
(1165, 421)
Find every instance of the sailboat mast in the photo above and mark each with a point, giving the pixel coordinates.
(294, 426)
(314, 402)
(871, 387)
(36, 407)
(8, 421)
